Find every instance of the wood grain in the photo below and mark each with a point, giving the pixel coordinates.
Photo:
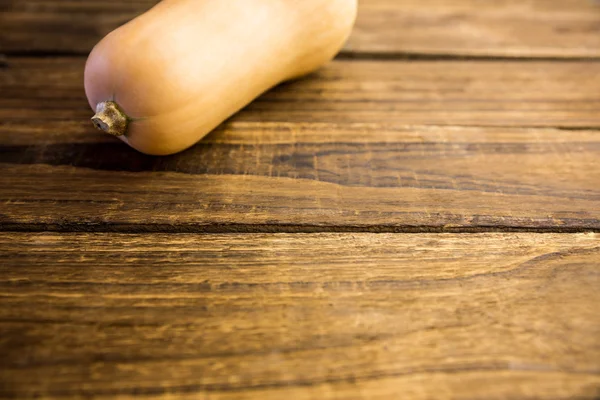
(469, 93)
(505, 28)
(360, 146)
(423, 124)
(278, 315)
(410, 180)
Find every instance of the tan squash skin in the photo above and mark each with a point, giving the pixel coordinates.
(185, 66)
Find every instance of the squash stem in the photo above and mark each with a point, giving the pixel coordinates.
(110, 118)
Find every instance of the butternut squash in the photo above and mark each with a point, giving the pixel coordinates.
(167, 78)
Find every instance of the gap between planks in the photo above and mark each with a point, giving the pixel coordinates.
(283, 228)
(345, 55)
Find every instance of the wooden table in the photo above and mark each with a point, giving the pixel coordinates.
(420, 219)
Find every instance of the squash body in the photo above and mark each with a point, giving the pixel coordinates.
(185, 66)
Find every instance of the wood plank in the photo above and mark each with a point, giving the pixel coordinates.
(507, 28)
(469, 93)
(502, 28)
(375, 146)
(271, 316)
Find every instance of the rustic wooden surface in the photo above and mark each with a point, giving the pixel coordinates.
(470, 93)
(403, 180)
(378, 145)
(501, 28)
(287, 315)
(419, 219)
